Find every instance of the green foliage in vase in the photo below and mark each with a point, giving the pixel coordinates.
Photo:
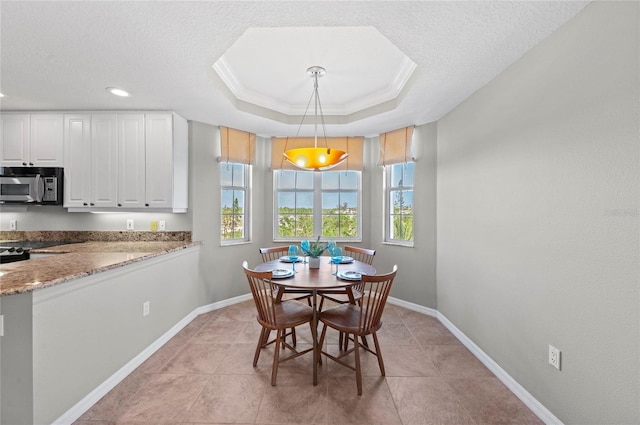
(315, 249)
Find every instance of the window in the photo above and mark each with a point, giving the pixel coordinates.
(234, 193)
(309, 203)
(399, 203)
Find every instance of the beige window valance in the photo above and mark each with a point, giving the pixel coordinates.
(395, 146)
(237, 146)
(352, 145)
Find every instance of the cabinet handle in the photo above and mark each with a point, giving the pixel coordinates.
(24, 163)
(84, 203)
(92, 204)
(31, 164)
(119, 205)
(146, 205)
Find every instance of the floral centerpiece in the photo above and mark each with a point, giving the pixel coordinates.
(314, 251)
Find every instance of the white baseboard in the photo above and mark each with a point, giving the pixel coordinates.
(83, 405)
(101, 390)
(531, 402)
(414, 307)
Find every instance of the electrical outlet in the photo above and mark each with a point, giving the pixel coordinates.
(13, 224)
(162, 225)
(554, 357)
(1, 325)
(154, 226)
(145, 309)
(129, 224)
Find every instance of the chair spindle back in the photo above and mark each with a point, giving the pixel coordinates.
(376, 290)
(360, 254)
(263, 294)
(273, 253)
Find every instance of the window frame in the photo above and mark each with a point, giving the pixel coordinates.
(246, 188)
(317, 201)
(389, 188)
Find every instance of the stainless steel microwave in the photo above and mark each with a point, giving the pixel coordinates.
(31, 185)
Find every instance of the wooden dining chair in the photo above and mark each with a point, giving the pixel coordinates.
(359, 320)
(359, 254)
(340, 296)
(275, 316)
(274, 253)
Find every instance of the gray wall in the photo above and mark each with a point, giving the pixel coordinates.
(538, 217)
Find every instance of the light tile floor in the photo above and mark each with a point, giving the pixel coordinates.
(205, 375)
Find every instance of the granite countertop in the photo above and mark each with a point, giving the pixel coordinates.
(76, 260)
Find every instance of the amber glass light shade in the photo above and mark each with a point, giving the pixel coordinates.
(316, 159)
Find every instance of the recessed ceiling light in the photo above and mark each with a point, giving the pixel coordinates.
(118, 92)
(1, 95)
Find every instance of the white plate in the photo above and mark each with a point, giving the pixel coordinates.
(281, 273)
(286, 259)
(350, 275)
(345, 260)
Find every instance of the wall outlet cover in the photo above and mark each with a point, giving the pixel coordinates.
(554, 357)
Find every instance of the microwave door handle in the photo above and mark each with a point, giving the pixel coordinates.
(39, 183)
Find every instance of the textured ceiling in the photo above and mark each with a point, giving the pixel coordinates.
(61, 56)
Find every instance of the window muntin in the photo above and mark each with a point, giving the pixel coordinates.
(340, 204)
(234, 190)
(399, 203)
(300, 193)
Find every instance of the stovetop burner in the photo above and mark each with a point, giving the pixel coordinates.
(19, 250)
(9, 254)
(32, 244)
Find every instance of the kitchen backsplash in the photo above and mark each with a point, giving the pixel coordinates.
(86, 236)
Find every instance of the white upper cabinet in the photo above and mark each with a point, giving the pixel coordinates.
(90, 160)
(126, 161)
(158, 159)
(104, 160)
(32, 140)
(131, 161)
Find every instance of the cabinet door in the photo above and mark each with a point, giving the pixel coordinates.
(14, 142)
(104, 160)
(77, 161)
(159, 160)
(131, 161)
(47, 140)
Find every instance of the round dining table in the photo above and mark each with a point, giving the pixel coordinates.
(322, 279)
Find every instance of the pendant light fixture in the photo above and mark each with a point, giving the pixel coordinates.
(315, 159)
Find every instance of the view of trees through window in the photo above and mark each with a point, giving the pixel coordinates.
(232, 219)
(401, 202)
(233, 195)
(336, 191)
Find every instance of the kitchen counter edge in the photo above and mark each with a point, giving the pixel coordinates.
(79, 260)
